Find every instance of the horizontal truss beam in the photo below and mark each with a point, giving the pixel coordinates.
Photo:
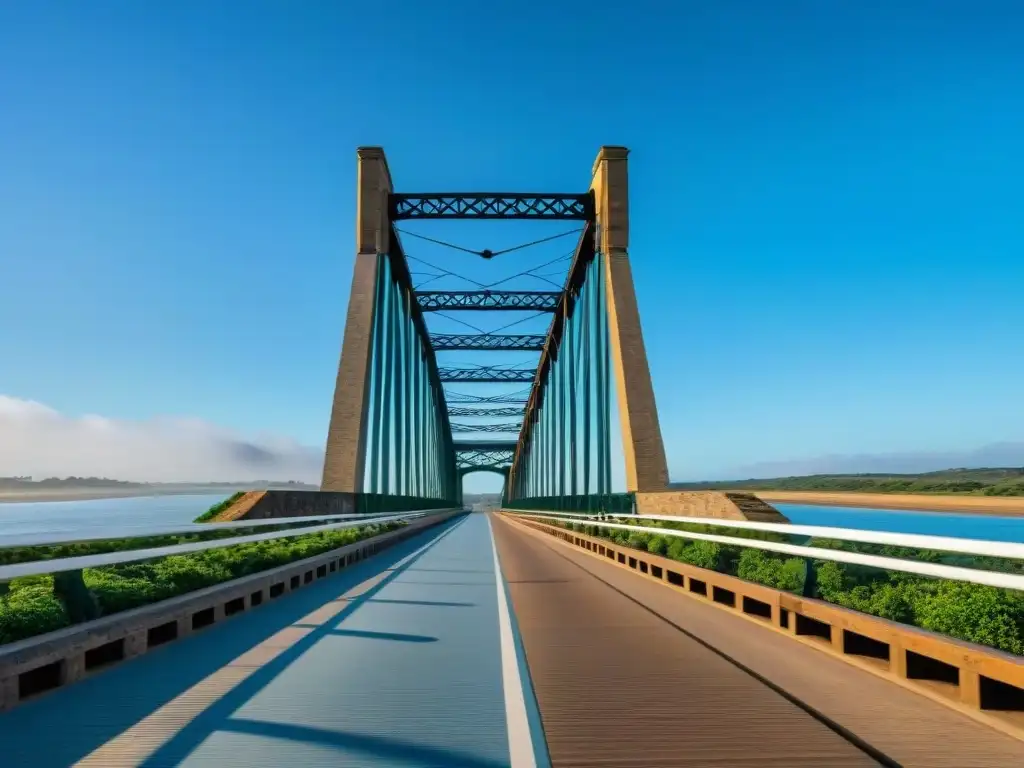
(484, 455)
(446, 342)
(485, 445)
(485, 375)
(523, 301)
(491, 205)
(497, 413)
(507, 399)
(506, 428)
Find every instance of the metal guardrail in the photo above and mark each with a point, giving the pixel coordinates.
(982, 547)
(181, 529)
(60, 565)
(935, 570)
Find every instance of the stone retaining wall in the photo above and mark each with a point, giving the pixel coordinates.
(714, 504)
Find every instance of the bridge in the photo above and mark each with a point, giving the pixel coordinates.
(584, 624)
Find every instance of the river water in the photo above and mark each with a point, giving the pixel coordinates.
(120, 517)
(102, 517)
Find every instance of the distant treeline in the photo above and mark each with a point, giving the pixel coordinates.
(969, 482)
(483, 499)
(66, 482)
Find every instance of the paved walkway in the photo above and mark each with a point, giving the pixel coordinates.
(406, 659)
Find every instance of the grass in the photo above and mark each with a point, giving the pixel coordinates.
(219, 507)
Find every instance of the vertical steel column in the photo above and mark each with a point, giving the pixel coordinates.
(606, 362)
(561, 363)
(409, 428)
(569, 342)
(595, 358)
(601, 347)
(586, 308)
(401, 406)
(421, 440)
(417, 421)
(545, 416)
(432, 445)
(409, 360)
(389, 363)
(379, 332)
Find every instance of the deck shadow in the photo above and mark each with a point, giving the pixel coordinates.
(430, 603)
(218, 714)
(367, 634)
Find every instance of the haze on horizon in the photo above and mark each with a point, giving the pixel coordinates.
(40, 442)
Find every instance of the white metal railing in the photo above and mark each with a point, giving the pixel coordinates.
(38, 567)
(917, 541)
(181, 529)
(982, 547)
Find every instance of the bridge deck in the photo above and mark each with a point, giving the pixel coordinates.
(624, 676)
(395, 662)
(410, 659)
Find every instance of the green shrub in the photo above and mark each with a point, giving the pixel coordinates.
(657, 545)
(974, 612)
(31, 606)
(776, 571)
(637, 540)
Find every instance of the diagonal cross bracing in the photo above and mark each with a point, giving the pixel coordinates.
(443, 342)
(485, 375)
(531, 301)
(506, 428)
(484, 454)
(498, 413)
(491, 205)
(511, 398)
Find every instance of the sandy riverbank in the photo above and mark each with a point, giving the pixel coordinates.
(1009, 506)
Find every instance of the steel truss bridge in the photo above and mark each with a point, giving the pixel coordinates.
(583, 625)
(391, 431)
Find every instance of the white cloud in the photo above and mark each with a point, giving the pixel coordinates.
(36, 440)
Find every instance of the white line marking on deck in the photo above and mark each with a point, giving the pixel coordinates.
(520, 743)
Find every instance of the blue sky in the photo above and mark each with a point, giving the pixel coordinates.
(826, 228)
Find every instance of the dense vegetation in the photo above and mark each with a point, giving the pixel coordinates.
(973, 612)
(36, 604)
(969, 482)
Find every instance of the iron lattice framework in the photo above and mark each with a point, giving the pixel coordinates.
(485, 375)
(506, 399)
(497, 413)
(391, 433)
(564, 447)
(491, 205)
(506, 428)
(520, 301)
(496, 456)
(445, 342)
